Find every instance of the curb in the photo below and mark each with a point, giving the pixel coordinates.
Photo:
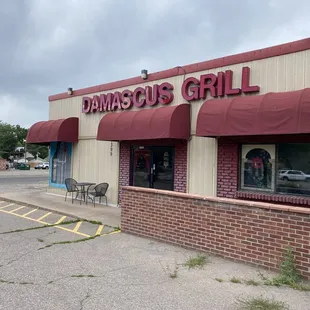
(41, 208)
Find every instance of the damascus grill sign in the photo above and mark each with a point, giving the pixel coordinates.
(216, 85)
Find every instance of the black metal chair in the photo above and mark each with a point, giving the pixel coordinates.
(98, 190)
(71, 188)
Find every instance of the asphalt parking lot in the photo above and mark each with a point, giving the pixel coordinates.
(46, 267)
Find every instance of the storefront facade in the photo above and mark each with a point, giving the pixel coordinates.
(232, 127)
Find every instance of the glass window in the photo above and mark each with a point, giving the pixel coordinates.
(294, 168)
(61, 162)
(257, 170)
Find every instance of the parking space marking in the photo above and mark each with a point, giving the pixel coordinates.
(99, 230)
(53, 222)
(45, 223)
(77, 226)
(22, 207)
(11, 204)
(34, 210)
(44, 216)
(60, 220)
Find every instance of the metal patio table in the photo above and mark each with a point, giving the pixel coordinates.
(82, 185)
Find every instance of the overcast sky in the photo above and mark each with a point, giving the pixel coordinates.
(50, 45)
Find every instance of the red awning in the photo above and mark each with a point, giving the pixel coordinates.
(162, 123)
(62, 130)
(269, 114)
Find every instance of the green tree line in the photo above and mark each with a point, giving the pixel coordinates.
(13, 136)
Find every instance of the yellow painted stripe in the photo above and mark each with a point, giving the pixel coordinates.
(77, 226)
(44, 223)
(11, 204)
(111, 233)
(44, 216)
(17, 209)
(29, 212)
(60, 220)
(99, 230)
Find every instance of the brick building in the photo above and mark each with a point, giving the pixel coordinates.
(2, 164)
(234, 127)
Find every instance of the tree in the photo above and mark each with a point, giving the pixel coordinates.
(8, 140)
(13, 136)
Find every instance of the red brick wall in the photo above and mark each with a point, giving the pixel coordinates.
(251, 232)
(2, 164)
(180, 167)
(227, 169)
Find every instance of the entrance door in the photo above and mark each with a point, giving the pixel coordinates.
(142, 168)
(153, 167)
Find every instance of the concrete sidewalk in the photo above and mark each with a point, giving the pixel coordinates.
(38, 198)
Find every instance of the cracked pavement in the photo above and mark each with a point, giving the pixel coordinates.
(117, 271)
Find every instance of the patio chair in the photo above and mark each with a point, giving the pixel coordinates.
(98, 190)
(71, 188)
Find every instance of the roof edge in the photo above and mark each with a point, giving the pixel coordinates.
(268, 52)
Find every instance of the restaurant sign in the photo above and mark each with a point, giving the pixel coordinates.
(217, 85)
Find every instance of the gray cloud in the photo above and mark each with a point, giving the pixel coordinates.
(50, 45)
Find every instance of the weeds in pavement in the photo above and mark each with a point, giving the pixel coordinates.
(288, 274)
(196, 262)
(252, 282)
(174, 274)
(39, 227)
(13, 282)
(219, 280)
(261, 303)
(83, 276)
(68, 242)
(40, 240)
(235, 280)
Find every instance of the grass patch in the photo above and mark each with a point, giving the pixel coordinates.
(260, 303)
(252, 282)
(68, 242)
(219, 280)
(174, 274)
(196, 262)
(83, 276)
(235, 280)
(288, 274)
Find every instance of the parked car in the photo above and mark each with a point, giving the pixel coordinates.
(42, 166)
(22, 166)
(45, 165)
(293, 175)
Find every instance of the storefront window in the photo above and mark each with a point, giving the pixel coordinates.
(61, 162)
(257, 170)
(294, 169)
(285, 171)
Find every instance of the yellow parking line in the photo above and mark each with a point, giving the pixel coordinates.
(17, 209)
(77, 226)
(11, 204)
(99, 230)
(29, 212)
(45, 223)
(60, 220)
(44, 216)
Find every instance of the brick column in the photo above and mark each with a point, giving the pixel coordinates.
(180, 167)
(227, 169)
(124, 167)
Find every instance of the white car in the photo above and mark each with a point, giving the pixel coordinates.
(45, 166)
(293, 175)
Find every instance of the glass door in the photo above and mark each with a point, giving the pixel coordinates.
(141, 168)
(163, 168)
(153, 167)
